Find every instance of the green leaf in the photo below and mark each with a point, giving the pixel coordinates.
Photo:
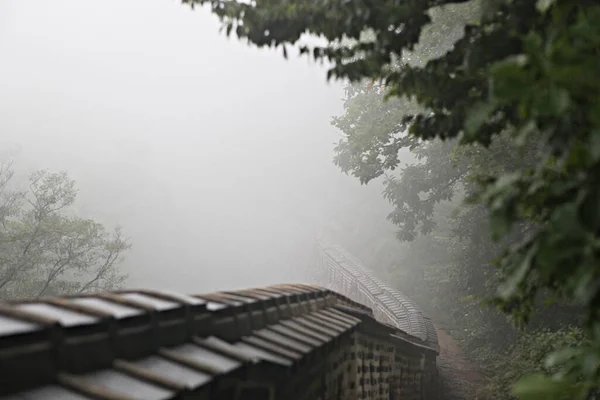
(477, 116)
(594, 145)
(514, 280)
(540, 387)
(510, 81)
(561, 356)
(544, 5)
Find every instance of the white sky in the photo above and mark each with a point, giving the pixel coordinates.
(214, 156)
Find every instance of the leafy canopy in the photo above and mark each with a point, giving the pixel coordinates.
(521, 68)
(44, 250)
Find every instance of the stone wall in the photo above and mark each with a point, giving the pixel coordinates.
(338, 270)
(290, 342)
(415, 367)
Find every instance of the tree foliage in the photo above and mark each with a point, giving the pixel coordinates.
(46, 251)
(521, 69)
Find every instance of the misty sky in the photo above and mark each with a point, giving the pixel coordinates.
(215, 157)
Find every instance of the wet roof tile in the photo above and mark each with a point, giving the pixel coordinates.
(11, 326)
(115, 309)
(66, 317)
(156, 303)
(220, 299)
(173, 296)
(224, 348)
(283, 341)
(130, 387)
(46, 393)
(260, 353)
(318, 335)
(316, 326)
(297, 335)
(215, 360)
(273, 347)
(187, 376)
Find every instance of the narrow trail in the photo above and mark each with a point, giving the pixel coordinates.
(461, 378)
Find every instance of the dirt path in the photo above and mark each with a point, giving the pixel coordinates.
(461, 378)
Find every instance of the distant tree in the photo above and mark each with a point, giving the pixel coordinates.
(46, 251)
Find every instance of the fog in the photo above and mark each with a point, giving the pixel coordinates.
(215, 157)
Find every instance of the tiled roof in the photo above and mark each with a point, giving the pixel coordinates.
(408, 315)
(155, 345)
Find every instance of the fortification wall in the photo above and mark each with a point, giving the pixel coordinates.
(341, 272)
(289, 342)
